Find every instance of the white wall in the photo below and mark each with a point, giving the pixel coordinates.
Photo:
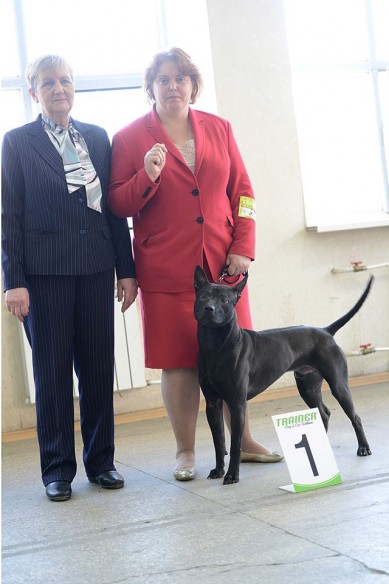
(291, 280)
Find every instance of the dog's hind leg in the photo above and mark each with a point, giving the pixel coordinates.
(214, 411)
(336, 375)
(309, 386)
(342, 393)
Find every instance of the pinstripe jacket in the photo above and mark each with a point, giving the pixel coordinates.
(46, 230)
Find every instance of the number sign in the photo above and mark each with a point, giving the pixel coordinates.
(307, 450)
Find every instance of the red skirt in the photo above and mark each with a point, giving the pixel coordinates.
(170, 328)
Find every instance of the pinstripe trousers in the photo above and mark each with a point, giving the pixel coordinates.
(71, 322)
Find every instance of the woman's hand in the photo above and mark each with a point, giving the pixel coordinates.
(237, 264)
(155, 161)
(17, 302)
(127, 290)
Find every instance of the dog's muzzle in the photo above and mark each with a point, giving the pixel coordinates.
(210, 315)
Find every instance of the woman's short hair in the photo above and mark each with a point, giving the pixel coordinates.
(43, 63)
(185, 66)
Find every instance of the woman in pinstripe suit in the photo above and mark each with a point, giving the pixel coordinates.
(60, 246)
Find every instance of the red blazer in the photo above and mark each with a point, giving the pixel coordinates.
(183, 215)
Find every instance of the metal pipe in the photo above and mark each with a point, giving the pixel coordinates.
(365, 350)
(359, 266)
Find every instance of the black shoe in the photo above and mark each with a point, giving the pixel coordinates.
(59, 491)
(110, 479)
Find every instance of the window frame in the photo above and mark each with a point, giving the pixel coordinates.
(83, 83)
(169, 21)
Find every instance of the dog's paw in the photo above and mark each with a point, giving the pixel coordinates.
(364, 450)
(230, 480)
(216, 473)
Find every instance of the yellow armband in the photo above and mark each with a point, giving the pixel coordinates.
(247, 208)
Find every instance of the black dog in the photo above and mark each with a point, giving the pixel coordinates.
(237, 364)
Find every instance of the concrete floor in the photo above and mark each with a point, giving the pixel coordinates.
(157, 530)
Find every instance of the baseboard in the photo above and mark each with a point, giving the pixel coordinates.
(270, 394)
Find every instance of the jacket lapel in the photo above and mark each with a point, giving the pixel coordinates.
(156, 128)
(40, 141)
(198, 127)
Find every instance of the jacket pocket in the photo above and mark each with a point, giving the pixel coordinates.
(151, 238)
(40, 233)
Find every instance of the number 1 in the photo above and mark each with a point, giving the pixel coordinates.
(305, 444)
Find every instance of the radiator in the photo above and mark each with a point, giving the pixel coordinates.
(129, 361)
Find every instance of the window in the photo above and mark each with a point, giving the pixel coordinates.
(108, 45)
(339, 52)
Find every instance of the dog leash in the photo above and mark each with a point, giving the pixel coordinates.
(224, 275)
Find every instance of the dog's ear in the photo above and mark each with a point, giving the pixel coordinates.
(238, 289)
(200, 278)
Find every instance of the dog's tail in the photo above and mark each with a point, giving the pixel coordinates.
(335, 326)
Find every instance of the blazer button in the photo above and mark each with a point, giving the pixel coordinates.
(200, 219)
(195, 192)
(82, 231)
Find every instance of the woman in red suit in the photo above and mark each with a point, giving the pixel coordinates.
(179, 174)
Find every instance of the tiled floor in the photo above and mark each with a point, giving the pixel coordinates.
(157, 530)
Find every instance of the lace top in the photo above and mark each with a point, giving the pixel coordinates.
(188, 151)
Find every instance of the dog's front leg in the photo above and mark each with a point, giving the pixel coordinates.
(238, 413)
(214, 410)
